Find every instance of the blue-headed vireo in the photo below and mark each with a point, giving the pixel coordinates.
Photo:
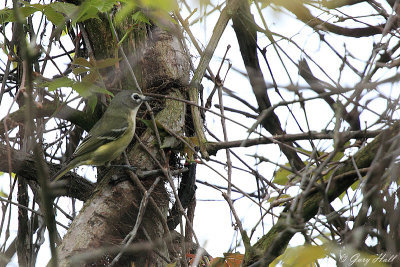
(110, 135)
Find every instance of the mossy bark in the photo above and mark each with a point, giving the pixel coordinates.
(160, 66)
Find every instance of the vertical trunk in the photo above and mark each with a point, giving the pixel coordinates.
(160, 64)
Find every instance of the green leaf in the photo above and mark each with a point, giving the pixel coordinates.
(86, 65)
(92, 77)
(108, 62)
(26, 11)
(55, 17)
(140, 17)
(65, 8)
(159, 8)
(124, 12)
(92, 102)
(57, 83)
(161, 130)
(98, 89)
(82, 89)
(7, 14)
(86, 89)
(80, 61)
(165, 5)
(102, 90)
(37, 6)
(52, 14)
(80, 70)
(103, 5)
(90, 9)
(148, 124)
(85, 13)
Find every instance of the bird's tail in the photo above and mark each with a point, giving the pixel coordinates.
(63, 171)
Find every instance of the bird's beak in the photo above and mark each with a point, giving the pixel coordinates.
(147, 98)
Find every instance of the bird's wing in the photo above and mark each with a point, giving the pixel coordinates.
(101, 134)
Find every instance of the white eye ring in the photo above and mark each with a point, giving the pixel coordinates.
(135, 97)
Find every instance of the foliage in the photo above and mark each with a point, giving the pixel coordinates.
(316, 158)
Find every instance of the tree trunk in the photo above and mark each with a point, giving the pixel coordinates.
(110, 214)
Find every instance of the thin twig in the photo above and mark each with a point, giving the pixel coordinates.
(218, 85)
(142, 209)
(29, 209)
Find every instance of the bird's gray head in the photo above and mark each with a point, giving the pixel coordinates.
(129, 99)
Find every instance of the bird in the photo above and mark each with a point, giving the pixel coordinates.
(110, 136)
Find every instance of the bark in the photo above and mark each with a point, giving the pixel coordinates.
(23, 165)
(112, 211)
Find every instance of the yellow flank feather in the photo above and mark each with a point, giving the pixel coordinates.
(112, 150)
(110, 135)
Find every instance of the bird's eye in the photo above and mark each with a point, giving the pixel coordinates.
(135, 97)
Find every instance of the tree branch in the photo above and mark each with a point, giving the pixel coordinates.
(24, 166)
(304, 15)
(219, 29)
(244, 26)
(318, 86)
(331, 4)
(275, 241)
(213, 148)
(50, 109)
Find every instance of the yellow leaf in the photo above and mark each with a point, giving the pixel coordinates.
(193, 142)
(304, 255)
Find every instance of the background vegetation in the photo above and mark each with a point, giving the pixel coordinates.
(286, 109)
